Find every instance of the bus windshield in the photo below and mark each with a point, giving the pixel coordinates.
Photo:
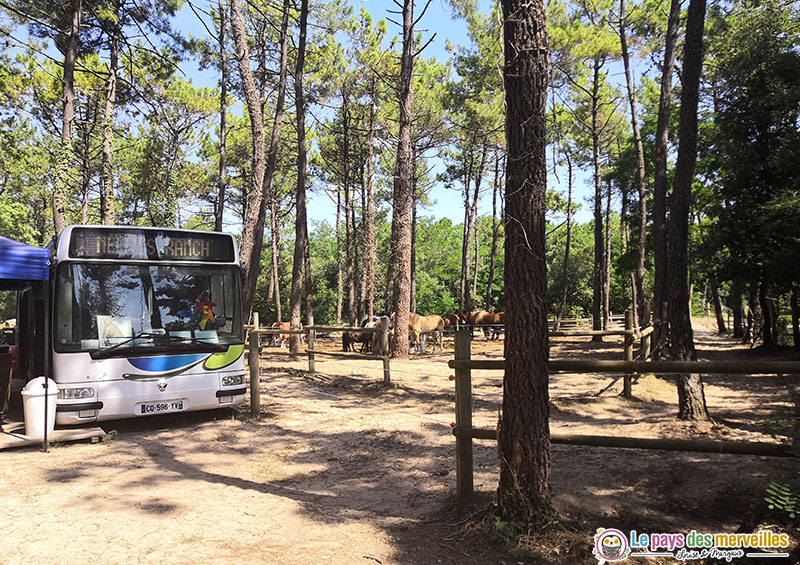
(143, 309)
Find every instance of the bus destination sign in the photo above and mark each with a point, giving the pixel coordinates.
(150, 245)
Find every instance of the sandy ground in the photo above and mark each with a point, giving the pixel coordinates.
(339, 469)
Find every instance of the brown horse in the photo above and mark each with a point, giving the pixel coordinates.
(488, 321)
(349, 339)
(418, 324)
(280, 339)
(453, 320)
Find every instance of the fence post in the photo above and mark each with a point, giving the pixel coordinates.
(628, 354)
(464, 483)
(387, 377)
(255, 372)
(312, 334)
(646, 340)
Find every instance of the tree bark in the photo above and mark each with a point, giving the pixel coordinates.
(251, 241)
(475, 201)
(301, 225)
(368, 212)
(413, 300)
(796, 316)
(495, 233)
(565, 284)
(465, 300)
(276, 255)
(607, 264)
(401, 216)
(768, 326)
(755, 316)
(339, 262)
(641, 176)
(738, 308)
(107, 178)
(524, 434)
(67, 120)
(712, 282)
(599, 248)
(660, 163)
(691, 397)
(348, 226)
(270, 199)
(222, 177)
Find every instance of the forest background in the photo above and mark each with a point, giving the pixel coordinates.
(137, 141)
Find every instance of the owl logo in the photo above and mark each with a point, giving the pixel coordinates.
(610, 546)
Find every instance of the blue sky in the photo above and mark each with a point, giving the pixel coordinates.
(438, 18)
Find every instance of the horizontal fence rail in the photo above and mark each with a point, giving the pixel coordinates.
(254, 351)
(464, 431)
(651, 367)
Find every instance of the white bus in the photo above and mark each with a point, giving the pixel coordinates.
(143, 321)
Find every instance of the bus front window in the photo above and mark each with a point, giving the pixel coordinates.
(104, 304)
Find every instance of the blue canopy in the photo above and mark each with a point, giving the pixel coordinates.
(21, 263)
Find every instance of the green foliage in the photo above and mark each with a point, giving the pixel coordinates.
(756, 141)
(784, 496)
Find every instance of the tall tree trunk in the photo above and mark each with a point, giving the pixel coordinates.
(607, 265)
(712, 282)
(301, 225)
(358, 267)
(755, 316)
(222, 177)
(276, 256)
(691, 397)
(413, 300)
(796, 315)
(309, 285)
(524, 433)
(599, 248)
(86, 163)
(475, 201)
(660, 163)
(495, 232)
(369, 244)
(252, 239)
(625, 239)
(465, 300)
(339, 261)
(738, 308)
(768, 326)
(565, 284)
(401, 216)
(348, 225)
(641, 176)
(270, 198)
(62, 182)
(107, 178)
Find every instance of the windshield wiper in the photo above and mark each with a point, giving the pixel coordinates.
(108, 351)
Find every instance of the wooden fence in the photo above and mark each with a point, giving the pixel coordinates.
(464, 431)
(254, 351)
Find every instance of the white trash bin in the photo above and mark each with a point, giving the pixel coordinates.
(33, 407)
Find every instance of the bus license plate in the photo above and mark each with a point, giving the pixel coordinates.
(161, 407)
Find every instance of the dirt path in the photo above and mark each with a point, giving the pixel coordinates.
(340, 470)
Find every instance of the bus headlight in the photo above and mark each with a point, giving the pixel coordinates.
(231, 380)
(75, 393)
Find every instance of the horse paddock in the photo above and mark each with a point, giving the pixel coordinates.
(340, 469)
